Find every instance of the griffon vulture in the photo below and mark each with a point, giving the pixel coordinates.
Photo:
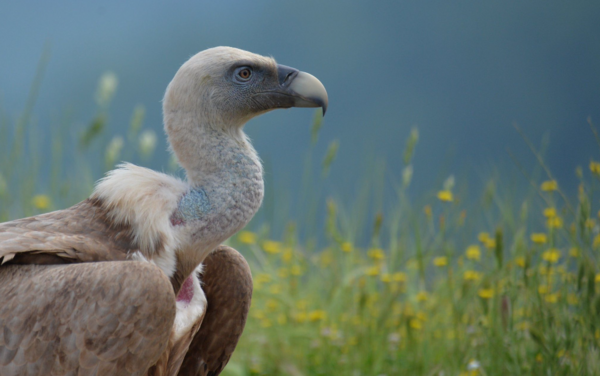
(112, 285)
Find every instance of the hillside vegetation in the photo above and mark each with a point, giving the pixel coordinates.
(457, 285)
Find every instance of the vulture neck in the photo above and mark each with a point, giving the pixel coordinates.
(209, 151)
(224, 166)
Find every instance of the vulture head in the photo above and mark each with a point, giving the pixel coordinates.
(225, 87)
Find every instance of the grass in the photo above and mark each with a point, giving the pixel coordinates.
(449, 286)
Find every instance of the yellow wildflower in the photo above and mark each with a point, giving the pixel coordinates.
(386, 278)
(574, 252)
(471, 275)
(539, 238)
(41, 202)
(551, 255)
(287, 254)
(473, 252)
(490, 243)
(445, 196)
(263, 278)
(422, 296)
(483, 237)
(347, 247)
(555, 222)
(539, 358)
(551, 298)
(376, 253)
(317, 315)
(550, 212)
(415, 324)
(549, 186)
(399, 277)
(520, 261)
(247, 237)
(486, 293)
(372, 271)
(296, 270)
(440, 261)
(597, 278)
(590, 223)
(543, 289)
(595, 167)
(271, 246)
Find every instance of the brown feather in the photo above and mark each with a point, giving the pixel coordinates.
(107, 318)
(227, 283)
(81, 233)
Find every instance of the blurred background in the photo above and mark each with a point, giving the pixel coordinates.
(462, 73)
(435, 222)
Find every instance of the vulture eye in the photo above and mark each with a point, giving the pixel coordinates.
(243, 74)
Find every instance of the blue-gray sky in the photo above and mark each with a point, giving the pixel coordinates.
(462, 71)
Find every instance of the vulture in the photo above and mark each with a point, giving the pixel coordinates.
(134, 280)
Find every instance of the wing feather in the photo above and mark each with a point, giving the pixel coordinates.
(81, 233)
(227, 283)
(108, 318)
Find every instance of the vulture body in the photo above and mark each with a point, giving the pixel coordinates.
(133, 280)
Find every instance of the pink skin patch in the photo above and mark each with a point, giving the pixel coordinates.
(187, 291)
(176, 221)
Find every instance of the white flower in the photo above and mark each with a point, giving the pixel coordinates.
(473, 365)
(449, 183)
(107, 86)
(147, 143)
(394, 338)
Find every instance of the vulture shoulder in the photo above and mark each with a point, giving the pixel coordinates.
(129, 211)
(81, 233)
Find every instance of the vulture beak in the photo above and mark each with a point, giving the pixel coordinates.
(304, 89)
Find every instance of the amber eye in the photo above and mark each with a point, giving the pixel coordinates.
(244, 73)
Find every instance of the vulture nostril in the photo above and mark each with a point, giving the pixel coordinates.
(288, 77)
